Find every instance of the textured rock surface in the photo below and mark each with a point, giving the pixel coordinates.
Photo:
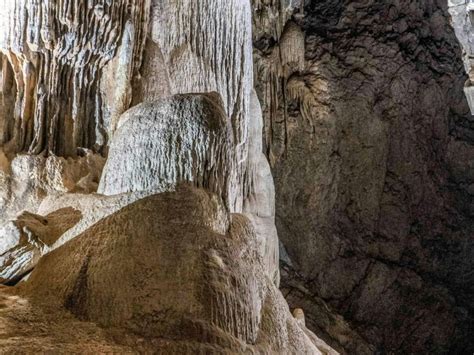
(197, 263)
(69, 71)
(24, 240)
(217, 59)
(93, 208)
(183, 138)
(370, 142)
(206, 46)
(54, 54)
(187, 138)
(371, 145)
(463, 24)
(27, 180)
(27, 328)
(462, 19)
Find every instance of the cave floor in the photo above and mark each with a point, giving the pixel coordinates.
(41, 328)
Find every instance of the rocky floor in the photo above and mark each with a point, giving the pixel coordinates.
(27, 328)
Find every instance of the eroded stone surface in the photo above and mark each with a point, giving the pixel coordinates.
(371, 145)
(27, 179)
(183, 138)
(369, 139)
(28, 237)
(31, 329)
(206, 46)
(69, 71)
(200, 288)
(462, 20)
(53, 58)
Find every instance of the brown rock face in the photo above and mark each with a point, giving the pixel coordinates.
(371, 146)
(177, 270)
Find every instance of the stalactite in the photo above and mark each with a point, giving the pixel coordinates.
(284, 60)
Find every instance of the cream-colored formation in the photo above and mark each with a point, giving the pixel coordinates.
(53, 55)
(206, 46)
(164, 90)
(166, 142)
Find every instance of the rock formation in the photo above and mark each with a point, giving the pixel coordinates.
(128, 233)
(152, 152)
(54, 58)
(371, 145)
(212, 295)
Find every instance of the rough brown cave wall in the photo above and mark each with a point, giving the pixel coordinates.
(371, 145)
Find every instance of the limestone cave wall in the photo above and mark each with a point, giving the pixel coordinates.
(370, 140)
(185, 159)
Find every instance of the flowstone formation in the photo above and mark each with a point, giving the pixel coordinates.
(137, 203)
(54, 55)
(371, 144)
(211, 296)
(168, 142)
(139, 143)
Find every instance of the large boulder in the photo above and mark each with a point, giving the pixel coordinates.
(180, 272)
(160, 144)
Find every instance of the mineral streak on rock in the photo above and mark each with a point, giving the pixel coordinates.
(54, 53)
